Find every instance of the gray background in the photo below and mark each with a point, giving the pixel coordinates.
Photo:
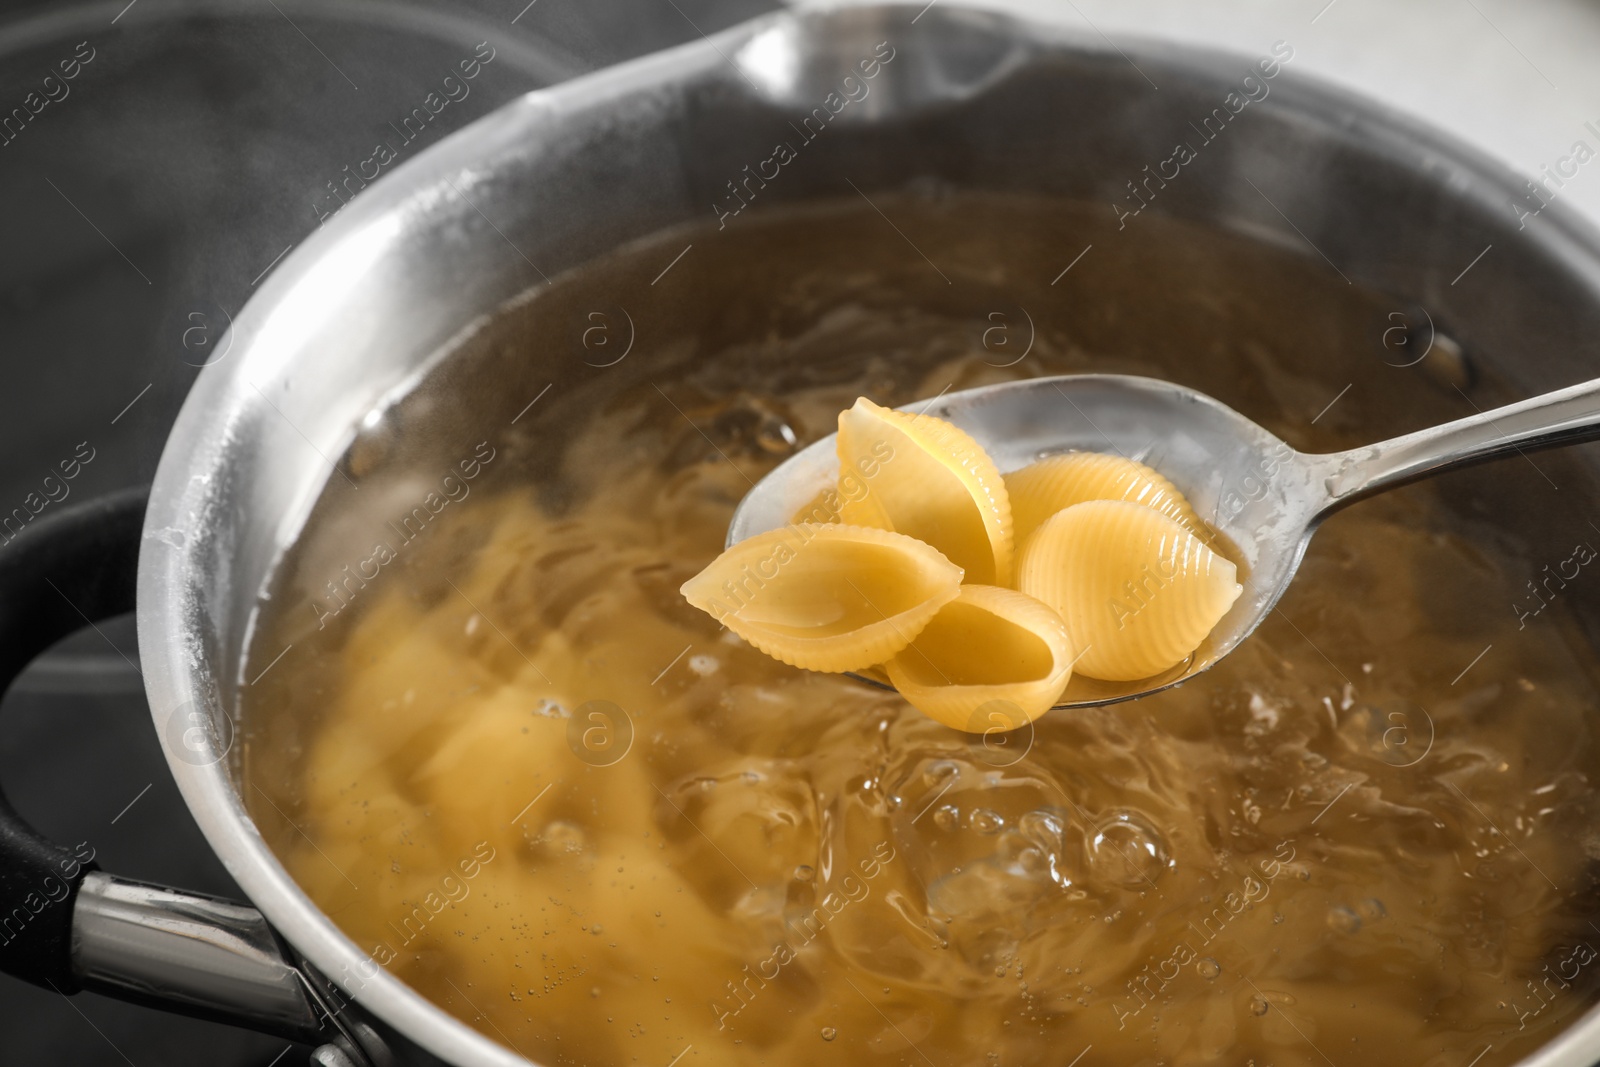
(187, 155)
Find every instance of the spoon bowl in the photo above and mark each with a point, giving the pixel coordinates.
(1263, 498)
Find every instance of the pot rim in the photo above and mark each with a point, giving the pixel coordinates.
(195, 461)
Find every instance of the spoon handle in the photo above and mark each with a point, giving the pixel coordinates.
(1566, 416)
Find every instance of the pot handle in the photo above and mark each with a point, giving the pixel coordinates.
(67, 926)
(57, 574)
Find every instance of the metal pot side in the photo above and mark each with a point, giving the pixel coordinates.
(363, 308)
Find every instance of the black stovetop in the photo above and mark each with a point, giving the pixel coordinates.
(138, 208)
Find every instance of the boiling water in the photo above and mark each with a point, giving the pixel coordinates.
(528, 779)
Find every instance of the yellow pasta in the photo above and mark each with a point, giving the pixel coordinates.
(1137, 591)
(921, 476)
(1041, 489)
(826, 597)
(1081, 561)
(824, 507)
(992, 649)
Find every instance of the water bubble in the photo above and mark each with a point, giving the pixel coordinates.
(1127, 851)
(829, 1033)
(1043, 853)
(939, 772)
(704, 665)
(1342, 920)
(1258, 1005)
(775, 436)
(597, 929)
(594, 991)
(1208, 968)
(1042, 827)
(1277, 917)
(948, 817)
(804, 873)
(1372, 909)
(562, 836)
(985, 821)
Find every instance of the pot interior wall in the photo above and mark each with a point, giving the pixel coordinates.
(1335, 181)
(791, 300)
(1272, 273)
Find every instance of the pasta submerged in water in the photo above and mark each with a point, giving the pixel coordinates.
(1080, 561)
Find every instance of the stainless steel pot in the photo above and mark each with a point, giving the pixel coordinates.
(360, 310)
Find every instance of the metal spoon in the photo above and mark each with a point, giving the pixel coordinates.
(1257, 492)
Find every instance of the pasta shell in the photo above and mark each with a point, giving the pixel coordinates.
(1041, 489)
(1137, 591)
(824, 507)
(988, 645)
(921, 476)
(826, 597)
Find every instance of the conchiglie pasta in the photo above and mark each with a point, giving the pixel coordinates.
(1137, 591)
(921, 476)
(1041, 489)
(990, 658)
(824, 507)
(826, 597)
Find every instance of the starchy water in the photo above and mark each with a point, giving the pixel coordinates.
(529, 780)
